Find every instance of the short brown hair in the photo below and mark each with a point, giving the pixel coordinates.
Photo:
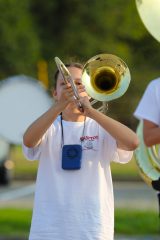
(72, 64)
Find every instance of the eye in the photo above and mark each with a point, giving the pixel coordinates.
(62, 84)
(77, 81)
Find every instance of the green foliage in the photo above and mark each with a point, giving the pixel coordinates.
(34, 30)
(19, 45)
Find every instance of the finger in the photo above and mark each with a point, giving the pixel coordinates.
(69, 96)
(81, 88)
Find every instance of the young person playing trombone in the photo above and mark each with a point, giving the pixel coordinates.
(75, 145)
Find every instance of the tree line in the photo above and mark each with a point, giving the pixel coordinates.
(37, 30)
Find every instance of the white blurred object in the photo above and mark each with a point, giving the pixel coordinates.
(22, 100)
(149, 11)
(4, 149)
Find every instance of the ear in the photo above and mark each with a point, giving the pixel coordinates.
(54, 94)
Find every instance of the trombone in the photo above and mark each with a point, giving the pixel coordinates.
(68, 79)
(105, 76)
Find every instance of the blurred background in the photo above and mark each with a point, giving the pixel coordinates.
(32, 34)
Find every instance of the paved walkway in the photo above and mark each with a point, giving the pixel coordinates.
(135, 195)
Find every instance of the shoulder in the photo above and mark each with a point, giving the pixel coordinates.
(155, 82)
(53, 129)
(153, 85)
(148, 107)
(152, 92)
(152, 88)
(92, 124)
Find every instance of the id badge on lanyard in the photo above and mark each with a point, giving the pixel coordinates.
(71, 157)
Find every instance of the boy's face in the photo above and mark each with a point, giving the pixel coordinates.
(76, 74)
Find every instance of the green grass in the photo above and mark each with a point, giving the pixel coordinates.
(16, 222)
(136, 222)
(24, 169)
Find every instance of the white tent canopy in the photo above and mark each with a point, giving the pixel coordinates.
(22, 100)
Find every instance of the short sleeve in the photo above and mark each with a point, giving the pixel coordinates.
(35, 152)
(32, 153)
(122, 156)
(113, 152)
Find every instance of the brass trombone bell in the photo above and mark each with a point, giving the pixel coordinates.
(106, 77)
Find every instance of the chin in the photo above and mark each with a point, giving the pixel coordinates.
(72, 106)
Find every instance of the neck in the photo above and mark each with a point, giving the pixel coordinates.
(73, 116)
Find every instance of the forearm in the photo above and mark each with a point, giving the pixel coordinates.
(152, 136)
(125, 137)
(151, 133)
(37, 129)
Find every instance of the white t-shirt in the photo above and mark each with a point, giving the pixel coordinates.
(75, 204)
(149, 105)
